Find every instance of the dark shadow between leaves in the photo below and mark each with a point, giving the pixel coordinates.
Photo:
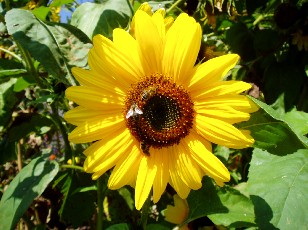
(263, 213)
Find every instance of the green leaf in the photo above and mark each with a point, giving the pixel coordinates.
(74, 202)
(127, 196)
(224, 206)
(278, 186)
(56, 46)
(10, 68)
(298, 121)
(29, 183)
(8, 101)
(41, 12)
(156, 227)
(272, 132)
(123, 226)
(23, 82)
(104, 17)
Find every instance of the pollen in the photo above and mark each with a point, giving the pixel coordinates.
(158, 112)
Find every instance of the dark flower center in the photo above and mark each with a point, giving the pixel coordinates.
(158, 113)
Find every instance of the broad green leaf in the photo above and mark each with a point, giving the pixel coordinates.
(271, 132)
(104, 17)
(224, 206)
(298, 120)
(8, 101)
(278, 188)
(56, 46)
(29, 183)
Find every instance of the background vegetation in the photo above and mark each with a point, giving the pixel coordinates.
(42, 182)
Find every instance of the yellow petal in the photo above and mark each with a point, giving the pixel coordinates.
(145, 178)
(104, 154)
(201, 152)
(149, 41)
(218, 89)
(95, 99)
(116, 61)
(212, 71)
(125, 42)
(187, 168)
(236, 102)
(125, 169)
(95, 79)
(181, 49)
(79, 115)
(175, 180)
(95, 129)
(222, 133)
(160, 157)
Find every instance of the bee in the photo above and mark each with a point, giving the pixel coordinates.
(149, 92)
(145, 148)
(133, 111)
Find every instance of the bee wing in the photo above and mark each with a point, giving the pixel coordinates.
(130, 113)
(138, 111)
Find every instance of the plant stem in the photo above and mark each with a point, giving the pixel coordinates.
(145, 212)
(73, 167)
(11, 53)
(174, 5)
(100, 207)
(58, 123)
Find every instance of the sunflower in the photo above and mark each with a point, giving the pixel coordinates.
(151, 113)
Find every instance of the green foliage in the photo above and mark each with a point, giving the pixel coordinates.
(269, 180)
(26, 186)
(277, 187)
(104, 17)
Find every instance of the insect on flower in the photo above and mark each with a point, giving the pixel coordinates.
(133, 111)
(147, 93)
(145, 148)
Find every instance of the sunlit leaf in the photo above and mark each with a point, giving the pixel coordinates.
(298, 120)
(224, 206)
(57, 47)
(278, 187)
(29, 183)
(104, 17)
(23, 82)
(271, 132)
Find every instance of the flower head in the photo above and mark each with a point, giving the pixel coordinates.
(151, 113)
